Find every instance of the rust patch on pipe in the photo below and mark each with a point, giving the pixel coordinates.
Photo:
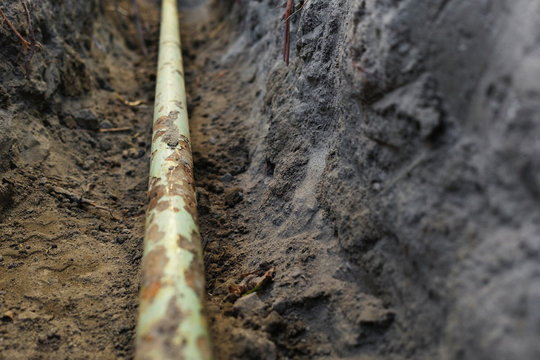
(189, 245)
(163, 205)
(153, 234)
(157, 335)
(155, 194)
(194, 273)
(153, 266)
(165, 126)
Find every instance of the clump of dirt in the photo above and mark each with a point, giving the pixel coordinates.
(73, 183)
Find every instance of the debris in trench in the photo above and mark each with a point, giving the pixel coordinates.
(287, 37)
(127, 102)
(80, 200)
(118, 129)
(252, 282)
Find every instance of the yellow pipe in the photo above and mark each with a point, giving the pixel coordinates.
(172, 323)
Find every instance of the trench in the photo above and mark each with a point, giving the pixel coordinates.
(387, 178)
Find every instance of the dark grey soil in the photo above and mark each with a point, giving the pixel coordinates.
(390, 175)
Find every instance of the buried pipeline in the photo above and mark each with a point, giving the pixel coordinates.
(172, 322)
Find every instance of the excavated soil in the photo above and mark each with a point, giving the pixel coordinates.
(386, 181)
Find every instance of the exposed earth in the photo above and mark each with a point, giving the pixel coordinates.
(389, 175)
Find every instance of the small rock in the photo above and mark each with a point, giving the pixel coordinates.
(105, 145)
(106, 124)
(131, 153)
(28, 315)
(213, 140)
(274, 323)
(86, 119)
(8, 316)
(234, 196)
(87, 165)
(69, 122)
(140, 154)
(121, 239)
(227, 178)
(249, 305)
(42, 181)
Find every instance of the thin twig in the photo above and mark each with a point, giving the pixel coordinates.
(287, 36)
(25, 43)
(79, 199)
(297, 11)
(33, 41)
(118, 129)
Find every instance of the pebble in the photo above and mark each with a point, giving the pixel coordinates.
(106, 124)
(42, 181)
(86, 119)
(105, 145)
(122, 239)
(227, 178)
(87, 165)
(249, 305)
(234, 196)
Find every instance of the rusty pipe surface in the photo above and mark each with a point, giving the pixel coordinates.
(171, 321)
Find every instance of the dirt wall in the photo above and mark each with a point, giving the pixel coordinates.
(393, 175)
